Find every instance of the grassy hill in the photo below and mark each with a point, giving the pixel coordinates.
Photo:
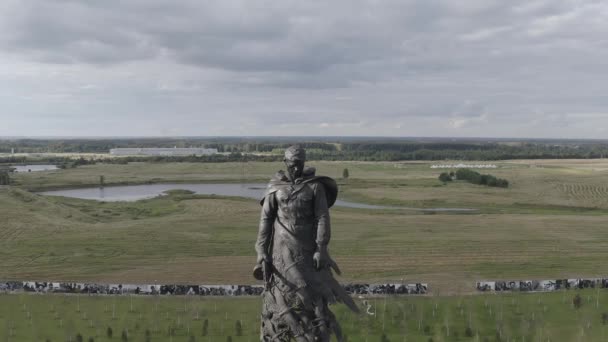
(538, 228)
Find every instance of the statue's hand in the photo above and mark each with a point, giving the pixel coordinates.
(263, 257)
(320, 259)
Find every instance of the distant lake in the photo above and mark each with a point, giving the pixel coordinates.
(34, 168)
(248, 190)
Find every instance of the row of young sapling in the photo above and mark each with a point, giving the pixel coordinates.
(383, 319)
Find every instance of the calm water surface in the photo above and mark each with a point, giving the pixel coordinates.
(34, 168)
(248, 190)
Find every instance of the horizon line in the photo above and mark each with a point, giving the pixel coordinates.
(101, 137)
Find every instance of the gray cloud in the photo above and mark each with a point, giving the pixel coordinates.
(479, 67)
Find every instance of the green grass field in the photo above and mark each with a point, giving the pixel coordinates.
(505, 317)
(550, 224)
(539, 228)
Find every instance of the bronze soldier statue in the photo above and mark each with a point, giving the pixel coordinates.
(293, 257)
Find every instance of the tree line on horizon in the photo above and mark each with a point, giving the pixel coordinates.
(262, 150)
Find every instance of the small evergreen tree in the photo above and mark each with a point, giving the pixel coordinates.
(124, 336)
(109, 332)
(4, 178)
(577, 302)
(427, 330)
(345, 173)
(238, 327)
(206, 327)
(79, 338)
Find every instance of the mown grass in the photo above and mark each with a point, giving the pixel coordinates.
(508, 317)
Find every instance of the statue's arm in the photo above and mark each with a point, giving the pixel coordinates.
(267, 217)
(323, 226)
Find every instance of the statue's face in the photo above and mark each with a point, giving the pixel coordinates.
(294, 168)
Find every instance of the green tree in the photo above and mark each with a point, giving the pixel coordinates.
(109, 332)
(445, 177)
(345, 173)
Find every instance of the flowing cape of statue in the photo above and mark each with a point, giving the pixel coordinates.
(297, 295)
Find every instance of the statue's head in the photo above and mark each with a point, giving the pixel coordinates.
(295, 157)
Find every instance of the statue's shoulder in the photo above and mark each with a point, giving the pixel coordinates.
(278, 181)
(329, 185)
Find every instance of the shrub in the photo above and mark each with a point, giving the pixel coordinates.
(445, 177)
(109, 332)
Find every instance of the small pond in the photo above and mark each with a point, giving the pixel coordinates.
(248, 190)
(33, 168)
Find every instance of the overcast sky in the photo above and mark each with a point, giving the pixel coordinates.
(457, 68)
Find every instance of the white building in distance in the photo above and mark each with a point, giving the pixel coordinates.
(176, 151)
